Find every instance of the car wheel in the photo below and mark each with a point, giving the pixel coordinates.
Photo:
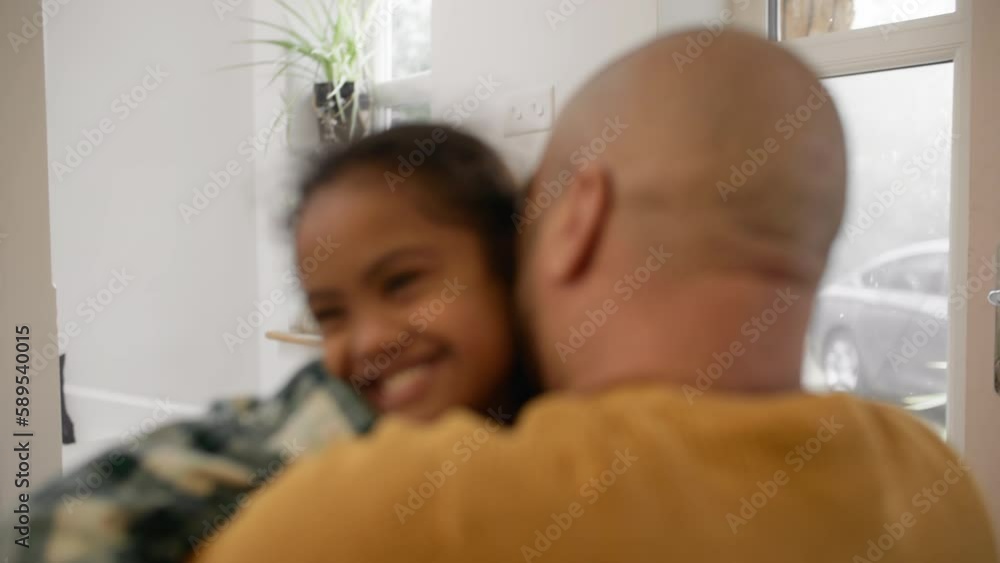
(842, 370)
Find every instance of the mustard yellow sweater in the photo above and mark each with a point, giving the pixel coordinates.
(634, 475)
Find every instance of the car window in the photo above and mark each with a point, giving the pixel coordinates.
(924, 273)
(877, 278)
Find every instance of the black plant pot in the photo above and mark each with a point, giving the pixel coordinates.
(336, 117)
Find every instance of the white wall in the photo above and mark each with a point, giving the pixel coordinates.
(26, 296)
(680, 14)
(527, 44)
(118, 211)
(523, 47)
(277, 172)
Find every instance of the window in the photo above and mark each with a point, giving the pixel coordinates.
(411, 38)
(921, 65)
(803, 18)
(898, 125)
(892, 66)
(876, 278)
(409, 113)
(402, 65)
(925, 273)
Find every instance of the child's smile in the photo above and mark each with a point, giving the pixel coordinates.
(401, 301)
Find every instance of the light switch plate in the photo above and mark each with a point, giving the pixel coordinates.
(529, 111)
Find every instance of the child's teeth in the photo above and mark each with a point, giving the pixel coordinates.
(401, 380)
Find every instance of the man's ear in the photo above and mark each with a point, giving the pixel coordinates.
(576, 223)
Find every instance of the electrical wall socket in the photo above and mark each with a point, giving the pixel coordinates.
(529, 111)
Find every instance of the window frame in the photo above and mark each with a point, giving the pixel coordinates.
(938, 39)
(967, 38)
(388, 92)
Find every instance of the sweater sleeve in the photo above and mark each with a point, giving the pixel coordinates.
(464, 478)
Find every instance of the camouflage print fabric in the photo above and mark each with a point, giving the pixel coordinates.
(168, 495)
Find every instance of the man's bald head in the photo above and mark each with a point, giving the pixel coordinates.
(733, 161)
(696, 129)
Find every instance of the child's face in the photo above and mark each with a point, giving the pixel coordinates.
(411, 313)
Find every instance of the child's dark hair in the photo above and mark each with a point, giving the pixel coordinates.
(464, 181)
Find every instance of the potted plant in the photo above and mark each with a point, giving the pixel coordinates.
(328, 41)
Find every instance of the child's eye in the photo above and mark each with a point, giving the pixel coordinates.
(396, 284)
(330, 317)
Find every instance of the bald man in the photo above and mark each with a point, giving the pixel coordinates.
(667, 298)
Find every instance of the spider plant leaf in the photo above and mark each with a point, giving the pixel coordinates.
(375, 5)
(309, 79)
(330, 21)
(280, 120)
(283, 29)
(290, 47)
(246, 65)
(354, 123)
(289, 58)
(283, 69)
(328, 71)
(368, 19)
(283, 66)
(311, 5)
(298, 15)
(338, 29)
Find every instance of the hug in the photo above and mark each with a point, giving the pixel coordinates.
(498, 390)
